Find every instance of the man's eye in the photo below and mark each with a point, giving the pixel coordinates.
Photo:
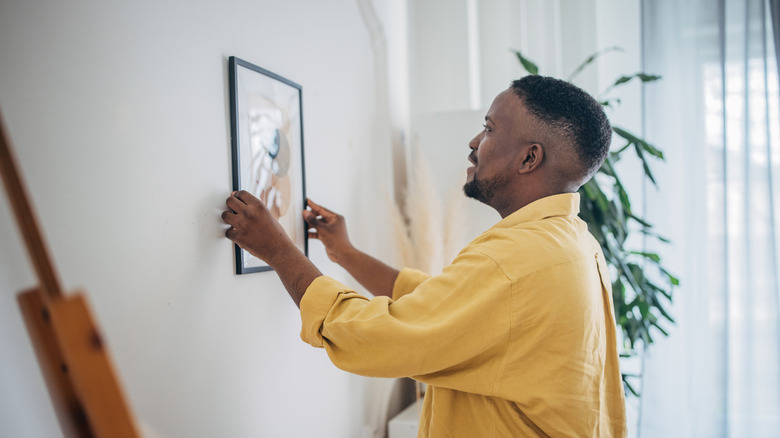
(487, 128)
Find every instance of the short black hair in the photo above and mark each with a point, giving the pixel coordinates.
(571, 113)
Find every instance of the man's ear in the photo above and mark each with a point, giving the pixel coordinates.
(531, 157)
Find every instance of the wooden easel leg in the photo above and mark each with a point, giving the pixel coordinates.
(72, 356)
(91, 369)
(54, 368)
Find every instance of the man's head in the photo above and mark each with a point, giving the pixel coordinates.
(542, 136)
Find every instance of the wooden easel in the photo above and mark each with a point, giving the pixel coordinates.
(72, 354)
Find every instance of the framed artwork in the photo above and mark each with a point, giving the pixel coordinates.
(266, 128)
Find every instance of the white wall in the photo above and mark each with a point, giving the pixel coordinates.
(119, 116)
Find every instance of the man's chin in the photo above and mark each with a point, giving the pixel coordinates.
(486, 189)
(472, 190)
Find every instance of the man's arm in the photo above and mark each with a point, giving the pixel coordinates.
(255, 230)
(330, 228)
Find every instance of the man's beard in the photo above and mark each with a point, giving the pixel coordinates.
(484, 190)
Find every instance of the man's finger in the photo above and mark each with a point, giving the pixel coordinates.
(247, 198)
(235, 204)
(314, 235)
(229, 217)
(320, 210)
(310, 218)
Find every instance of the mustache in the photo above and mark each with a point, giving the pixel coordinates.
(473, 157)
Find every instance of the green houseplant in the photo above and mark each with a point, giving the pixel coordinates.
(641, 286)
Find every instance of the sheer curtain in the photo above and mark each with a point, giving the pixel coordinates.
(715, 114)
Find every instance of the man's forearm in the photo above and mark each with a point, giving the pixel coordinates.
(374, 275)
(296, 272)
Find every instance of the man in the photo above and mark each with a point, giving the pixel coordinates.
(517, 336)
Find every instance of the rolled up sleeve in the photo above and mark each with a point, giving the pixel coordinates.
(450, 321)
(316, 304)
(407, 281)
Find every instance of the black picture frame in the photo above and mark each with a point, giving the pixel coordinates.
(266, 130)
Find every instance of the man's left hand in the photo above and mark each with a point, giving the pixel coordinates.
(253, 227)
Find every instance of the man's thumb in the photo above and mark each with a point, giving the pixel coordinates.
(310, 218)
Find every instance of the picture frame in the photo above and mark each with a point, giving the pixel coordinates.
(266, 130)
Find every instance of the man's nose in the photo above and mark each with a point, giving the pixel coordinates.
(474, 143)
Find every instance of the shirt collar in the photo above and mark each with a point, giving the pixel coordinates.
(564, 204)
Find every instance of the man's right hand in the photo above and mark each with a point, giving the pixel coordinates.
(330, 228)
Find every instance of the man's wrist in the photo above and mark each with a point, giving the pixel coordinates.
(296, 272)
(346, 256)
(279, 253)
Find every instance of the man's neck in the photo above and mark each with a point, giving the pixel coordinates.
(521, 201)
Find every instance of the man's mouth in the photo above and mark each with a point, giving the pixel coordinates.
(471, 171)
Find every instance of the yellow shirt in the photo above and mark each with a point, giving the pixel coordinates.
(515, 338)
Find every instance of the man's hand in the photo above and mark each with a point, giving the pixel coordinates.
(253, 227)
(330, 228)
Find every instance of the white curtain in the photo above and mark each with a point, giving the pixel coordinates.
(715, 114)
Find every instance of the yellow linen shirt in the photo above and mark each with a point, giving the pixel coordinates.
(515, 338)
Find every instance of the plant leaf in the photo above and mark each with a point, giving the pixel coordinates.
(623, 196)
(645, 165)
(619, 152)
(608, 102)
(646, 231)
(642, 222)
(672, 279)
(660, 329)
(590, 59)
(650, 255)
(644, 77)
(527, 64)
(622, 80)
(663, 311)
(608, 168)
(628, 386)
(631, 138)
(648, 78)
